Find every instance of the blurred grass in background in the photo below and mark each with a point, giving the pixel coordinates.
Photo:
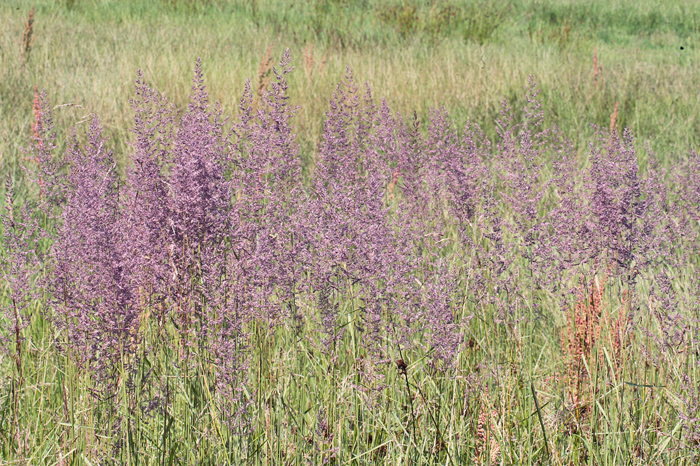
(464, 55)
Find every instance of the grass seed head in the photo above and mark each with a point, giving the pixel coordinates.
(27, 38)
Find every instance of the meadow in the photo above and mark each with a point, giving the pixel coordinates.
(349, 232)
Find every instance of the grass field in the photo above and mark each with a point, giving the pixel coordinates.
(88, 55)
(584, 366)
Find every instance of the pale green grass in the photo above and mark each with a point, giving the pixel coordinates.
(632, 418)
(88, 56)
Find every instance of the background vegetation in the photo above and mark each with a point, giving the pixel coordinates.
(589, 58)
(465, 56)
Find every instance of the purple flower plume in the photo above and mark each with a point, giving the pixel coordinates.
(91, 284)
(399, 237)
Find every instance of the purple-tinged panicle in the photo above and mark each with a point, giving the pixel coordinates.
(455, 173)
(19, 265)
(446, 193)
(269, 243)
(92, 288)
(44, 168)
(616, 202)
(367, 249)
(566, 237)
(411, 164)
(229, 347)
(147, 209)
(690, 415)
(519, 165)
(442, 306)
(198, 205)
(444, 157)
(687, 182)
(388, 143)
(272, 152)
(352, 239)
(629, 226)
(338, 162)
(268, 252)
(664, 306)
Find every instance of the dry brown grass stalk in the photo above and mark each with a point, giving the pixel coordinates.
(27, 38)
(322, 65)
(309, 60)
(37, 114)
(619, 338)
(613, 118)
(485, 437)
(596, 67)
(582, 333)
(36, 132)
(310, 63)
(265, 71)
(8, 199)
(486, 430)
(588, 327)
(392, 184)
(481, 435)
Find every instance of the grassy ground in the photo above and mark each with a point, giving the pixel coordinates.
(307, 406)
